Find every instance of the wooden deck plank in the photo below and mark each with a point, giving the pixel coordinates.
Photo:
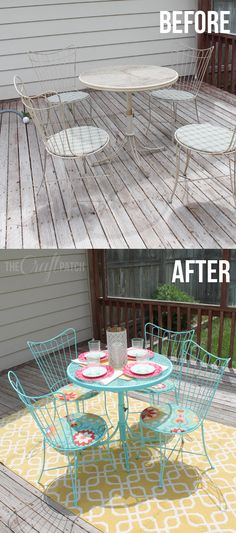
(126, 208)
(14, 221)
(29, 223)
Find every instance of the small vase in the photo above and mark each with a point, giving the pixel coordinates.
(117, 346)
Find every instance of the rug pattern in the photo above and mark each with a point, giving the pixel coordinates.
(194, 497)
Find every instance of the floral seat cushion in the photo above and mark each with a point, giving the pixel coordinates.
(71, 393)
(76, 431)
(169, 419)
(166, 386)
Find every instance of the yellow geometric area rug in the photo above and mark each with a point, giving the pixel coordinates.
(194, 498)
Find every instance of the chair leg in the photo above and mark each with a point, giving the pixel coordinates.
(233, 176)
(178, 151)
(74, 477)
(44, 172)
(90, 108)
(106, 410)
(197, 112)
(43, 462)
(162, 461)
(204, 446)
(110, 452)
(149, 114)
(187, 162)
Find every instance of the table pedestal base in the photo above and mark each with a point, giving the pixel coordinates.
(131, 143)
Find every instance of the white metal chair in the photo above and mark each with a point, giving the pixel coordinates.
(55, 125)
(57, 72)
(206, 139)
(191, 65)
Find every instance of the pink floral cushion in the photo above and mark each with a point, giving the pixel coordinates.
(169, 418)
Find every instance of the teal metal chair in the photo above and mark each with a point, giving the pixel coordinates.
(198, 378)
(169, 343)
(53, 357)
(67, 432)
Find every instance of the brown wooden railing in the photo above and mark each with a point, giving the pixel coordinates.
(215, 325)
(221, 71)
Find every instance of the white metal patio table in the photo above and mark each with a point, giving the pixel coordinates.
(130, 79)
(121, 387)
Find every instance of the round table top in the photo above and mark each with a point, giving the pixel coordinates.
(119, 384)
(129, 78)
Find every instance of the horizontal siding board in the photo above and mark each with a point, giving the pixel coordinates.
(25, 297)
(9, 317)
(34, 306)
(112, 31)
(89, 40)
(46, 319)
(38, 280)
(87, 9)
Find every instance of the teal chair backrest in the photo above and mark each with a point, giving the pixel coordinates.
(167, 342)
(54, 355)
(50, 415)
(199, 376)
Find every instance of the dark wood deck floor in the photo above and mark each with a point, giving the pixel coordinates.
(124, 209)
(23, 508)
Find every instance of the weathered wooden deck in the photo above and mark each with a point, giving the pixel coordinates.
(23, 508)
(125, 208)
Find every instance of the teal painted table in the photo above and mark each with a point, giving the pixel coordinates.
(121, 387)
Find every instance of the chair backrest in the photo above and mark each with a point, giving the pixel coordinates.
(167, 342)
(53, 120)
(191, 65)
(56, 70)
(54, 355)
(20, 87)
(200, 375)
(51, 416)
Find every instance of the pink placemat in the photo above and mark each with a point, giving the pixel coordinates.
(83, 359)
(158, 370)
(109, 373)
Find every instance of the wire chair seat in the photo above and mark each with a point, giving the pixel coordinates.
(79, 141)
(76, 431)
(170, 419)
(173, 94)
(72, 392)
(206, 138)
(68, 96)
